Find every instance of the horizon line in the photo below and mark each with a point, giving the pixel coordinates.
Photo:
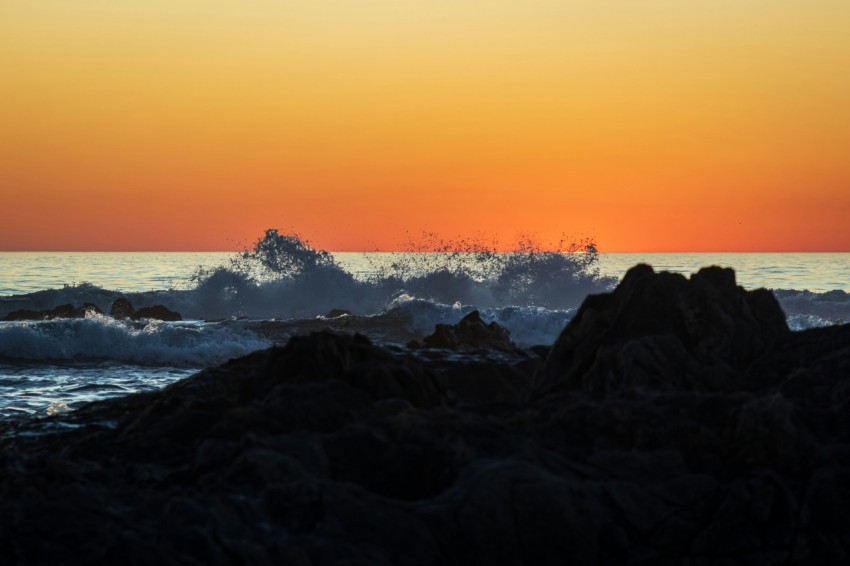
(601, 252)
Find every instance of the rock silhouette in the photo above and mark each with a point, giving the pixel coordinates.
(661, 330)
(123, 308)
(471, 333)
(674, 421)
(61, 311)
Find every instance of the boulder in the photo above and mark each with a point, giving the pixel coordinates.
(123, 308)
(157, 312)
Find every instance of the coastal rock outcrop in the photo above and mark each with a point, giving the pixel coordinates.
(471, 333)
(675, 421)
(664, 331)
(61, 311)
(123, 308)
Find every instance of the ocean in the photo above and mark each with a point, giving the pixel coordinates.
(233, 304)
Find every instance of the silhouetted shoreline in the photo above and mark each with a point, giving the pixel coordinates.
(673, 421)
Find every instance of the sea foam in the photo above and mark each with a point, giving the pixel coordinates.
(528, 325)
(98, 337)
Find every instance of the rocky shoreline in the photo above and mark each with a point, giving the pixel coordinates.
(673, 421)
(121, 309)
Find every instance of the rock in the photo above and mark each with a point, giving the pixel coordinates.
(485, 382)
(123, 308)
(357, 362)
(61, 311)
(675, 421)
(471, 333)
(336, 313)
(663, 331)
(157, 312)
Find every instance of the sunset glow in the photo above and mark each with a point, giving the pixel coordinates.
(649, 126)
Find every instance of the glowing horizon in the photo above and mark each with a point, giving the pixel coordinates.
(664, 126)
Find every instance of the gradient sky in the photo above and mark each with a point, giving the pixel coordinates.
(651, 125)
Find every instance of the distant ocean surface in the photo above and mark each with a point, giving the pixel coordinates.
(56, 365)
(27, 272)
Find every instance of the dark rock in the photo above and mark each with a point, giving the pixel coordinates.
(663, 331)
(123, 308)
(471, 333)
(483, 382)
(674, 422)
(157, 312)
(61, 311)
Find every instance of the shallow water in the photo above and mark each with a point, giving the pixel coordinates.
(28, 388)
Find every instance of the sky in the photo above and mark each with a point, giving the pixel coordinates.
(651, 125)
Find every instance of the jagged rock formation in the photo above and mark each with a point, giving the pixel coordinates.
(471, 333)
(661, 330)
(674, 421)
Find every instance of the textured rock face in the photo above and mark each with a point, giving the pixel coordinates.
(334, 450)
(661, 330)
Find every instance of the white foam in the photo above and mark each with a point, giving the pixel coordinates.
(100, 337)
(806, 321)
(809, 308)
(529, 326)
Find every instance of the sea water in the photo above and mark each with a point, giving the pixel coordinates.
(27, 272)
(56, 365)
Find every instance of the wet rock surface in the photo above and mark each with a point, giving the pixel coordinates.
(123, 308)
(61, 311)
(674, 421)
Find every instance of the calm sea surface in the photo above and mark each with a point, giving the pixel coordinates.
(27, 272)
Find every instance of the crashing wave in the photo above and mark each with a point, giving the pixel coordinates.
(530, 288)
(283, 276)
(830, 307)
(100, 337)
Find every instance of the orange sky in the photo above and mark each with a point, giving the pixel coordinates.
(658, 125)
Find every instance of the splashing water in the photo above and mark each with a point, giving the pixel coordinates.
(282, 275)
